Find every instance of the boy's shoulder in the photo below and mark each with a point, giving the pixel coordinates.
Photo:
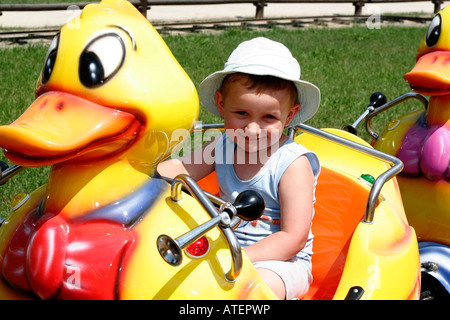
(295, 150)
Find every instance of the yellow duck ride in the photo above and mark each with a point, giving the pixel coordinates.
(421, 139)
(106, 226)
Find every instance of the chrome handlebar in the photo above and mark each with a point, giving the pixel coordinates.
(249, 205)
(369, 116)
(8, 173)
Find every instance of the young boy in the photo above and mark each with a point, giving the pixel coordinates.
(258, 94)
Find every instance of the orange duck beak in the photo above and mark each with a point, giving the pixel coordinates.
(59, 126)
(431, 74)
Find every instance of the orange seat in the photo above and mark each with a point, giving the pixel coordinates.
(340, 206)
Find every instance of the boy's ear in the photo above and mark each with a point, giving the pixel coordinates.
(292, 113)
(219, 102)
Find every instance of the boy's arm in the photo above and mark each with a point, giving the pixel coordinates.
(197, 164)
(296, 189)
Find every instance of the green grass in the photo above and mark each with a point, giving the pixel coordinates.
(347, 64)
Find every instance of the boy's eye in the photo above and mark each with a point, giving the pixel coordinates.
(269, 116)
(241, 113)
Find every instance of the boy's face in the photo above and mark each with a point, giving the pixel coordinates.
(255, 120)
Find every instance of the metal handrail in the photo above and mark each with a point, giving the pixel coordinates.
(397, 165)
(390, 104)
(9, 173)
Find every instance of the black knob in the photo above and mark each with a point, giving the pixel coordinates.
(249, 205)
(377, 99)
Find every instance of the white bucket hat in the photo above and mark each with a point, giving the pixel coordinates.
(261, 56)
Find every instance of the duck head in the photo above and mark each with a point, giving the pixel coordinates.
(431, 74)
(109, 88)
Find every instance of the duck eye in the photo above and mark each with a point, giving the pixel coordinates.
(434, 31)
(50, 60)
(101, 59)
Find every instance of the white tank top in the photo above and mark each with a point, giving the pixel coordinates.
(266, 183)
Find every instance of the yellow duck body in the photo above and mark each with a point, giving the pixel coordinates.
(421, 139)
(109, 99)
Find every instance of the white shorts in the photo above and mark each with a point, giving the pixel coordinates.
(295, 274)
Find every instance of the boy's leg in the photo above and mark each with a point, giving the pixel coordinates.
(274, 281)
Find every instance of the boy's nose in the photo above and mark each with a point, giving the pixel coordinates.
(253, 128)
